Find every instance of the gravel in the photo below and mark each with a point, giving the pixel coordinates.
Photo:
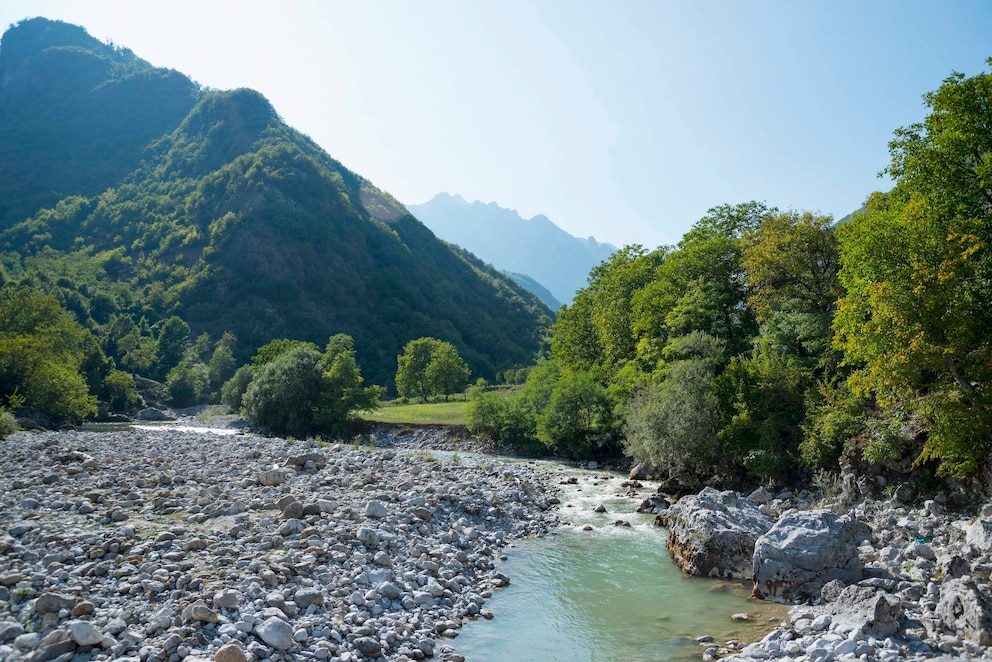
(168, 544)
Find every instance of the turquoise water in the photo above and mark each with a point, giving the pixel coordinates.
(608, 594)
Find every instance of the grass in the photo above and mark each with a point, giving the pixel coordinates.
(431, 413)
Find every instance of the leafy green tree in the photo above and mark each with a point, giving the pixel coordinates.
(302, 391)
(122, 394)
(221, 367)
(429, 367)
(486, 414)
(762, 407)
(173, 341)
(447, 370)
(917, 270)
(43, 355)
(672, 426)
(276, 348)
(412, 380)
(187, 383)
(284, 392)
(577, 421)
(234, 388)
(342, 393)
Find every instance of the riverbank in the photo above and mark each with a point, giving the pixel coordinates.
(156, 544)
(884, 580)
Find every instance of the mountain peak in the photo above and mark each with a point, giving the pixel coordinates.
(535, 246)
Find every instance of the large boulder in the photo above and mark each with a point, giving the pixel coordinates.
(979, 535)
(712, 534)
(872, 610)
(966, 610)
(152, 414)
(804, 551)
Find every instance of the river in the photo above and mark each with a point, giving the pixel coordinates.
(611, 593)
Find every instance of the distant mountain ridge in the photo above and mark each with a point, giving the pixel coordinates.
(534, 247)
(128, 190)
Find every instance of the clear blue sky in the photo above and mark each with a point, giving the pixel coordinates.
(622, 120)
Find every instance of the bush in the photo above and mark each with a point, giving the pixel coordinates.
(672, 426)
(187, 383)
(121, 392)
(234, 388)
(8, 424)
(282, 395)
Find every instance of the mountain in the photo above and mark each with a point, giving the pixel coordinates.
(535, 246)
(128, 190)
(536, 289)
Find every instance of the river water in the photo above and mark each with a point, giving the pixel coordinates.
(611, 593)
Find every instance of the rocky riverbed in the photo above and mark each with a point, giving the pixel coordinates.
(878, 580)
(177, 544)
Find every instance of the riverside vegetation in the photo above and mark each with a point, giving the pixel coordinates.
(764, 346)
(169, 234)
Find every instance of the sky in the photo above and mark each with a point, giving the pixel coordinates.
(624, 121)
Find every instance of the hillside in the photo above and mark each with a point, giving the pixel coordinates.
(535, 246)
(148, 196)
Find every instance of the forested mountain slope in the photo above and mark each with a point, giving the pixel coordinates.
(128, 190)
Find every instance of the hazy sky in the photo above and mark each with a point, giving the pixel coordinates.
(625, 120)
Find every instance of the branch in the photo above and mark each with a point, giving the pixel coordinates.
(958, 377)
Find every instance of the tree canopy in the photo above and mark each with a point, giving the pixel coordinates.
(429, 367)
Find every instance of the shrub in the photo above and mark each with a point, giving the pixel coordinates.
(8, 424)
(233, 390)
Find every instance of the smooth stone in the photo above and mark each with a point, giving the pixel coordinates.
(276, 633)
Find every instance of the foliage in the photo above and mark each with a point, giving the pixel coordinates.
(276, 348)
(341, 385)
(303, 391)
(835, 416)
(429, 367)
(672, 426)
(8, 424)
(133, 196)
(44, 355)
(221, 367)
(122, 394)
(577, 421)
(762, 408)
(173, 341)
(283, 394)
(186, 383)
(917, 270)
(234, 388)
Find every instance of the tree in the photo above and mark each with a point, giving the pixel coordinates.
(917, 269)
(221, 367)
(284, 392)
(302, 391)
(187, 382)
(342, 393)
(276, 348)
(44, 354)
(121, 392)
(429, 367)
(173, 341)
(577, 421)
(792, 257)
(672, 426)
(447, 371)
(234, 388)
(411, 369)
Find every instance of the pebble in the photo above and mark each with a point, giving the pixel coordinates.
(912, 555)
(192, 546)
